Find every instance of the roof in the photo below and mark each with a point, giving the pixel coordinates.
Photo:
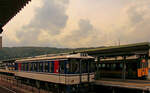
(55, 57)
(8, 61)
(119, 50)
(9, 8)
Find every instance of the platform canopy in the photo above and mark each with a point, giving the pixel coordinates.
(122, 50)
(9, 8)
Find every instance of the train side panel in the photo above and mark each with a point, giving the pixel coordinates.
(56, 66)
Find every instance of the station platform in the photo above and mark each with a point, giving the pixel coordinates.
(128, 83)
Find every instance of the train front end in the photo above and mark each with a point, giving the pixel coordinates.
(78, 69)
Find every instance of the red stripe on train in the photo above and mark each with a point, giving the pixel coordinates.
(19, 66)
(56, 66)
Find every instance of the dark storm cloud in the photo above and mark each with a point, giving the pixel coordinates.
(51, 17)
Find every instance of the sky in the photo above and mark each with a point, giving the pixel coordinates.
(79, 23)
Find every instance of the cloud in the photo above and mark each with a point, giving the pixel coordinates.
(46, 29)
(49, 27)
(51, 18)
(133, 25)
(138, 13)
(85, 29)
(85, 36)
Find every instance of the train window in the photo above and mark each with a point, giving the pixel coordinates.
(26, 67)
(22, 66)
(62, 67)
(38, 66)
(92, 66)
(107, 65)
(121, 65)
(73, 66)
(51, 67)
(41, 67)
(46, 67)
(99, 65)
(103, 65)
(29, 66)
(84, 66)
(50, 64)
(113, 66)
(118, 66)
(35, 66)
(32, 65)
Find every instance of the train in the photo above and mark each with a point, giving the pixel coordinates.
(68, 72)
(136, 67)
(75, 72)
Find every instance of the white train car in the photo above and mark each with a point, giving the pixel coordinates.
(69, 70)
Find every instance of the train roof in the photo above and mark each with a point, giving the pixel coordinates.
(129, 49)
(79, 55)
(8, 61)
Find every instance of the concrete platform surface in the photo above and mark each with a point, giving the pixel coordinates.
(128, 83)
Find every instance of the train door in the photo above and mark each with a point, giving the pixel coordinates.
(143, 68)
(62, 66)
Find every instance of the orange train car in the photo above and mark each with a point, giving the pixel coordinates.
(136, 67)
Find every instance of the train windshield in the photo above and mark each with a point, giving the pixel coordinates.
(76, 66)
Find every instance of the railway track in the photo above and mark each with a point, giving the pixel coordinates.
(6, 90)
(8, 84)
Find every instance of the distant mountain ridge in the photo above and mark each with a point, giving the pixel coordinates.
(20, 52)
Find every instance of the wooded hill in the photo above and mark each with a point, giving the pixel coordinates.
(20, 52)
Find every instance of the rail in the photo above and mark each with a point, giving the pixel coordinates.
(16, 86)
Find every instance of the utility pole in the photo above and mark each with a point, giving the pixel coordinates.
(119, 41)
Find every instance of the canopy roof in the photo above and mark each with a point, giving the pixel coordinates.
(9, 8)
(130, 49)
